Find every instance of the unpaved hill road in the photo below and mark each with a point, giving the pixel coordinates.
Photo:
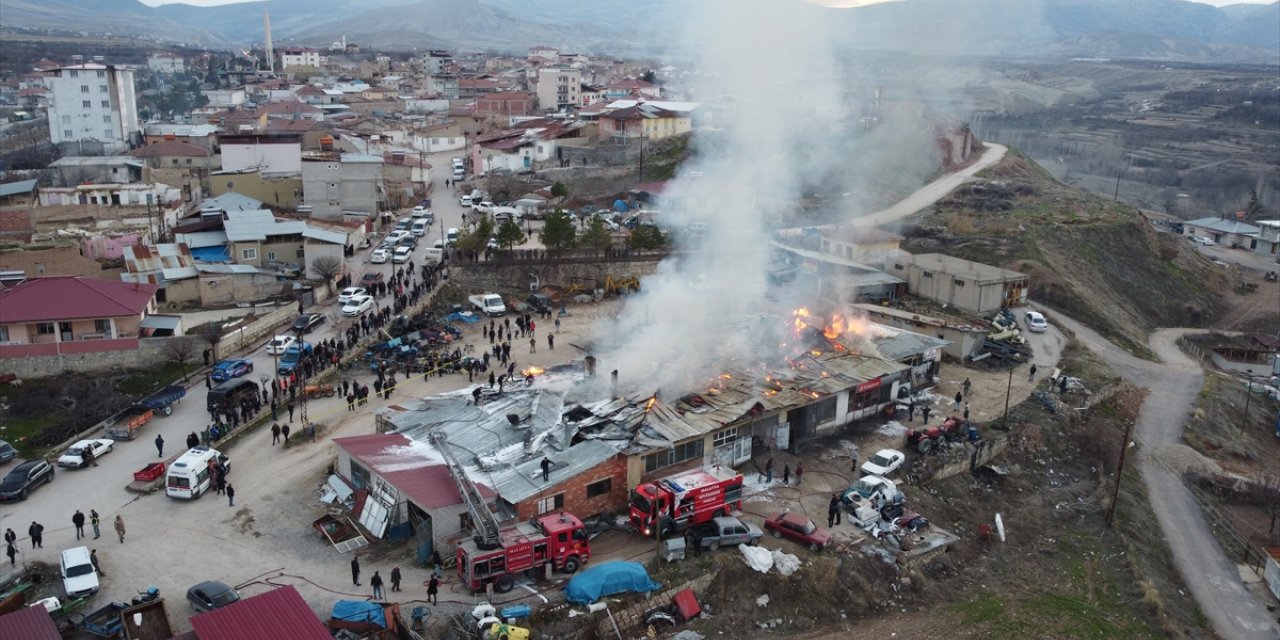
(934, 191)
(1174, 385)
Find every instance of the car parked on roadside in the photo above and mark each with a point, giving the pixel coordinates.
(403, 223)
(884, 462)
(73, 457)
(370, 279)
(7, 452)
(211, 594)
(465, 201)
(349, 293)
(380, 255)
(798, 528)
(231, 368)
(1205, 241)
(279, 343)
(292, 356)
(307, 321)
(357, 305)
(23, 479)
(723, 532)
(79, 577)
(1036, 322)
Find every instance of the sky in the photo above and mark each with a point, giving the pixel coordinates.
(832, 3)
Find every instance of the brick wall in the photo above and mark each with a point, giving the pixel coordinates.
(575, 491)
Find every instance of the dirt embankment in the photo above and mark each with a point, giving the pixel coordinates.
(1097, 260)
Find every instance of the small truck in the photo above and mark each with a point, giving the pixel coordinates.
(723, 532)
(489, 304)
(124, 426)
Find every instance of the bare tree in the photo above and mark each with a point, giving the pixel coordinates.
(326, 268)
(181, 350)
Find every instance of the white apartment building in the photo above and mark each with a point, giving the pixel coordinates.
(93, 103)
(559, 87)
(292, 58)
(166, 63)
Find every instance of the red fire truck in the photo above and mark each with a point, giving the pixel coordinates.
(680, 501)
(556, 539)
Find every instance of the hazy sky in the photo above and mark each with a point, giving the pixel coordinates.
(834, 3)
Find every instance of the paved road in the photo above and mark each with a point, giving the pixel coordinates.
(1173, 385)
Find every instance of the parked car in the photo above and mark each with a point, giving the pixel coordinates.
(369, 279)
(23, 479)
(279, 343)
(871, 489)
(291, 356)
(1205, 242)
(418, 212)
(723, 532)
(7, 452)
(465, 201)
(798, 528)
(231, 368)
(380, 255)
(395, 236)
(79, 578)
(73, 458)
(1036, 322)
(403, 223)
(307, 321)
(210, 595)
(357, 306)
(401, 255)
(349, 293)
(410, 241)
(884, 462)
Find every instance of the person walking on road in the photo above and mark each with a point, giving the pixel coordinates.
(36, 531)
(95, 521)
(786, 474)
(967, 387)
(768, 470)
(376, 583)
(433, 588)
(78, 521)
(924, 413)
(93, 559)
(355, 570)
(231, 495)
(395, 578)
(833, 511)
(1031, 374)
(10, 537)
(275, 433)
(290, 411)
(159, 446)
(959, 399)
(799, 473)
(120, 528)
(284, 433)
(11, 551)
(551, 341)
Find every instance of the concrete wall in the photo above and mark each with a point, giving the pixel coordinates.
(246, 336)
(151, 352)
(514, 277)
(575, 491)
(227, 289)
(283, 192)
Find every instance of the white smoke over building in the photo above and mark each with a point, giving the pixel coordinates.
(773, 65)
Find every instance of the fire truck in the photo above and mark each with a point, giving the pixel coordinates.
(495, 556)
(680, 501)
(555, 539)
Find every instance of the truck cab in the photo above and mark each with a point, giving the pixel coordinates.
(724, 532)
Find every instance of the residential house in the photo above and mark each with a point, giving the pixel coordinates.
(270, 154)
(165, 62)
(833, 280)
(1268, 240)
(226, 98)
(21, 193)
(260, 239)
(559, 88)
(644, 120)
(276, 190)
(172, 154)
(542, 55)
(56, 257)
(313, 95)
(350, 182)
(591, 94)
(505, 103)
(1225, 231)
(969, 286)
(93, 108)
(291, 110)
(295, 58)
(520, 148)
(632, 88)
(72, 314)
(200, 135)
(105, 208)
(434, 62)
(29, 623)
(70, 171)
(169, 266)
(470, 88)
(443, 136)
(277, 614)
(406, 176)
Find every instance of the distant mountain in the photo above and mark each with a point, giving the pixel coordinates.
(1158, 29)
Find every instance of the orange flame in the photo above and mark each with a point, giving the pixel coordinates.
(649, 405)
(533, 371)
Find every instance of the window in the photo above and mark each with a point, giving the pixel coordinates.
(87, 104)
(66, 119)
(248, 254)
(102, 88)
(67, 133)
(106, 104)
(102, 74)
(359, 475)
(302, 254)
(550, 503)
(4, 334)
(928, 274)
(726, 436)
(107, 119)
(107, 133)
(75, 74)
(45, 328)
(824, 410)
(896, 267)
(84, 88)
(599, 488)
(680, 453)
(959, 282)
(102, 326)
(189, 162)
(271, 255)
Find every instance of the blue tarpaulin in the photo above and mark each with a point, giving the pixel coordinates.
(462, 316)
(359, 611)
(212, 254)
(608, 579)
(620, 206)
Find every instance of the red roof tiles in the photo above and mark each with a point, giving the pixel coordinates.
(423, 481)
(279, 614)
(73, 297)
(29, 623)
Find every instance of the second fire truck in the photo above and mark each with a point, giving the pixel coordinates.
(677, 502)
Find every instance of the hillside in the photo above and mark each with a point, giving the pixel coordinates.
(1096, 260)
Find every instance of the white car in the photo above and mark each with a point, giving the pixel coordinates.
(79, 578)
(357, 305)
(884, 462)
(1205, 242)
(380, 255)
(465, 201)
(74, 457)
(420, 212)
(396, 235)
(402, 255)
(1036, 322)
(343, 298)
(278, 344)
(482, 207)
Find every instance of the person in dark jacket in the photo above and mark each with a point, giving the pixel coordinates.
(355, 570)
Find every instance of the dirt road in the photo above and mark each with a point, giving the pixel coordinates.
(934, 191)
(1174, 385)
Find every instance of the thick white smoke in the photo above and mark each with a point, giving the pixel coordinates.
(769, 67)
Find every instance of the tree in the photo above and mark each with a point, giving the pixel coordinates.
(478, 236)
(558, 190)
(558, 234)
(646, 237)
(181, 350)
(596, 236)
(649, 76)
(326, 268)
(509, 235)
(1254, 208)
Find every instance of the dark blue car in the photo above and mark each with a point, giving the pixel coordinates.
(231, 368)
(289, 359)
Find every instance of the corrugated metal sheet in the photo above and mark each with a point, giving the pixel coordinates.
(279, 614)
(28, 623)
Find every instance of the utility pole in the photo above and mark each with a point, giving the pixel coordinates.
(422, 170)
(1004, 421)
(1115, 493)
(640, 173)
(1248, 395)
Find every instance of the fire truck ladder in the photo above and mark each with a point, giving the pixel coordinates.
(486, 524)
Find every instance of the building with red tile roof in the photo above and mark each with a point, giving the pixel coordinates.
(278, 614)
(29, 623)
(73, 314)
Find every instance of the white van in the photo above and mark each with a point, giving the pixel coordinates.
(419, 227)
(451, 236)
(189, 476)
(434, 254)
